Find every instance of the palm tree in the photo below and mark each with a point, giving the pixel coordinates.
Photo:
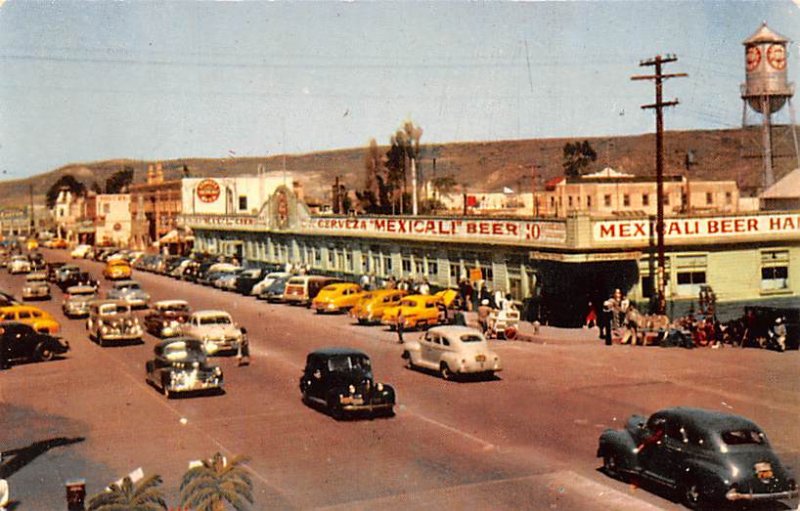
(129, 496)
(207, 487)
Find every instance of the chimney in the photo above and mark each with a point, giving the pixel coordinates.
(151, 175)
(159, 173)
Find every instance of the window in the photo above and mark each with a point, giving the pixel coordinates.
(588, 202)
(455, 271)
(387, 264)
(106, 208)
(419, 266)
(645, 199)
(774, 270)
(433, 267)
(331, 256)
(691, 274)
(607, 201)
(569, 201)
(626, 200)
(728, 198)
(709, 198)
(666, 199)
(406, 264)
(243, 203)
(348, 260)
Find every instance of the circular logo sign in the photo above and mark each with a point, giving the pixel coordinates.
(776, 56)
(753, 58)
(208, 190)
(117, 226)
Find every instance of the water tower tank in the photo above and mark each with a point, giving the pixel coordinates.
(766, 85)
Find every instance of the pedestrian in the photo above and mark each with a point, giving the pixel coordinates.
(591, 317)
(608, 317)
(499, 299)
(364, 282)
(425, 288)
(400, 325)
(3, 350)
(243, 353)
(483, 315)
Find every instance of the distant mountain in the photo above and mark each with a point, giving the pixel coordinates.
(481, 166)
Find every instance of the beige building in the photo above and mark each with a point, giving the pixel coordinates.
(154, 208)
(112, 219)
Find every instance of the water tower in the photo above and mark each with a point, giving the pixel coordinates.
(766, 89)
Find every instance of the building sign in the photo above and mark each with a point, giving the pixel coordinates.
(208, 190)
(444, 229)
(221, 221)
(690, 228)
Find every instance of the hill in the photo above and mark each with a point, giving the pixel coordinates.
(481, 166)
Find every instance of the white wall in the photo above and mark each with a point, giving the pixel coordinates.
(253, 190)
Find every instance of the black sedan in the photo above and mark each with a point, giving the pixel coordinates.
(340, 380)
(23, 343)
(708, 457)
(180, 366)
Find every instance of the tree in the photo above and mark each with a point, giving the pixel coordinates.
(370, 198)
(95, 187)
(128, 496)
(66, 181)
(120, 181)
(208, 486)
(577, 156)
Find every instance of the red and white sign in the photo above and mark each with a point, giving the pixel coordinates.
(445, 229)
(689, 228)
(208, 190)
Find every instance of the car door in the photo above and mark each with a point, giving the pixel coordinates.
(661, 456)
(17, 342)
(430, 349)
(316, 373)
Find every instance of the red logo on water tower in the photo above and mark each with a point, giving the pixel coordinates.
(776, 56)
(753, 58)
(208, 190)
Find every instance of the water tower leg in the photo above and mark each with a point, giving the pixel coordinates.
(794, 132)
(766, 129)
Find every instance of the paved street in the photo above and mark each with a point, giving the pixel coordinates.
(526, 440)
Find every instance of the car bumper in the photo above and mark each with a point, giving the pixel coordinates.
(366, 407)
(196, 385)
(734, 496)
(121, 336)
(212, 347)
(480, 367)
(76, 312)
(326, 307)
(169, 331)
(35, 294)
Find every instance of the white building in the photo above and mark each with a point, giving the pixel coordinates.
(113, 219)
(68, 210)
(244, 195)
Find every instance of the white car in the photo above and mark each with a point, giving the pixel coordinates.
(80, 251)
(452, 351)
(19, 264)
(215, 329)
(266, 282)
(36, 286)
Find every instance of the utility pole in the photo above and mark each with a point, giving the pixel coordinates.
(658, 61)
(534, 202)
(31, 214)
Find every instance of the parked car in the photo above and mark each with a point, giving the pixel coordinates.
(112, 321)
(77, 300)
(339, 297)
(709, 457)
(419, 311)
(117, 269)
(275, 291)
(77, 278)
(340, 381)
(62, 273)
(19, 264)
(80, 251)
(259, 287)
(167, 318)
(180, 365)
(37, 261)
(52, 269)
(452, 351)
(227, 280)
(247, 279)
(301, 290)
(128, 291)
(373, 304)
(215, 271)
(24, 343)
(177, 271)
(59, 243)
(40, 320)
(216, 330)
(36, 286)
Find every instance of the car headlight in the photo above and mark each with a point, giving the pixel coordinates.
(379, 386)
(104, 329)
(352, 389)
(218, 371)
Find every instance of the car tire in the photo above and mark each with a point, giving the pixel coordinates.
(409, 363)
(100, 341)
(335, 409)
(611, 465)
(691, 494)
(445, 372)
(165, 390)
(43, 353)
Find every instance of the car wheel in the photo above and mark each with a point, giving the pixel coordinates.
(691, 494)
(409, 364)
(165, 390)
(445, 371)
(610, 465)
(335, 409)
(100, 341)
(362, 321)
(43, 353)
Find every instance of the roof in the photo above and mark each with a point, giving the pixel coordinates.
(765, 35)
(788, 187)
(167, 303)
(210, 312)
(79, 289)
(710, 419)
(188, 340)
(455, 330)
(336, 351)
(607, 173)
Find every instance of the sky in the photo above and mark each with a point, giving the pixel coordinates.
(86, 81)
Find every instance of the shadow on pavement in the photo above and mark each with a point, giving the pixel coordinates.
(16, 459)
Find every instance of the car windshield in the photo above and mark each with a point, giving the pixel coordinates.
(175, 307)
(111, 310)
(471, 338)
(128, 287)
(346, 363)
(215, 320)
(743, 437)
(81, 292)
(408, 303)
(178, 351)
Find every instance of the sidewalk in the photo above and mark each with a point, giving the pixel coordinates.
(548, 334)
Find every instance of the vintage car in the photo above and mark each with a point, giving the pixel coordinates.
(180, 365)
(274, 292)
(52, 269)
(373, 304)
(31, 244)
(19, 264)
(77, 300)
(419, 311)
(36, 286)
(215, 329)
(452, 351)
(40, 320)
(227, 281)
(128, 291)
(112, 321)
(56, 243)
(63, 272)
(77, 278)
(117, 269)
(340, 381)
(337, 297)
(37, 261)
(80, 252)
(25, 343)
(302, 289)
(709, 457)
(247, 279)
(167, 318)
(267, 281)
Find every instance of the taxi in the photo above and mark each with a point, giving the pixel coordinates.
(419, 311)
(447, 296)
(373, 304)
(40, 320)
(32, 244)
(57, 243)
(117, 269)
(337, 297)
